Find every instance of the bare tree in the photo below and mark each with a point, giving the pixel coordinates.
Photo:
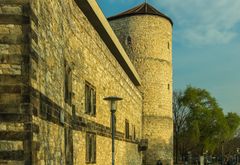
(180, 113)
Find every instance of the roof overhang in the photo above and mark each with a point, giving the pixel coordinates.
(142, 9)
(95, 16)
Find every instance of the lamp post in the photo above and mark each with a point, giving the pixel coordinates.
(113, 107)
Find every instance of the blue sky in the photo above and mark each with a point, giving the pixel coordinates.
(206, 44)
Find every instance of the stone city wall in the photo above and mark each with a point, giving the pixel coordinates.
(34, 44)
(64, 33)
(15, 117)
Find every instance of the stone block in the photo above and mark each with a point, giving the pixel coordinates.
(14, 19)
(11, 9)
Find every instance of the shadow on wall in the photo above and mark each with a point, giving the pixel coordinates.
(133, 157)
(124, 37)
(164, 152)
(51, 151)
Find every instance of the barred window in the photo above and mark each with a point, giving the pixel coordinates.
(90, 148)
(127, 136)
(67, 83)
(90, 99)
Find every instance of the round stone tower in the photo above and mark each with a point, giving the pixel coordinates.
(146, 35)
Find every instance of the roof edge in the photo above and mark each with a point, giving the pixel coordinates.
(95, 16)
(128, 15)
(141, 9)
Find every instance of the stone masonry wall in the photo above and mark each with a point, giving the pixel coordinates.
(16, 125)
(64, 33)
(147, 40)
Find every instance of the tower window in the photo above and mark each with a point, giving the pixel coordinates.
(134, 133)
(168, 45)
(168, 86)
(129, 40)
(67, 83)
(90, 148)
(90, 99)
(127, 136)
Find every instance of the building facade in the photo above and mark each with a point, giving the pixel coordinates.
(59, 59)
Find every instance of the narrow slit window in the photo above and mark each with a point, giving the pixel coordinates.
(127, 136)
(134, 133)
(67, 83)
(90, 148)
(90, 99)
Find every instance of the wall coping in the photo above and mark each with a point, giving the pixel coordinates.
(95, 16)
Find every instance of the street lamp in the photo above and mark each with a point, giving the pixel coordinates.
(113, 107)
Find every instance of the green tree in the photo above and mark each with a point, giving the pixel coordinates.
(199, 122)
(207, 118)
(233, 121)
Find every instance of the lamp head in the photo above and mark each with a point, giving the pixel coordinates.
(112, 100)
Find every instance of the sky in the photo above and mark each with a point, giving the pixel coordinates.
(206, 44)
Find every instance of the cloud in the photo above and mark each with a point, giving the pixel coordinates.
(203, 21)
(208, 36)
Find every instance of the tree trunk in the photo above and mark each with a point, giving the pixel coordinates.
(176, 148)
